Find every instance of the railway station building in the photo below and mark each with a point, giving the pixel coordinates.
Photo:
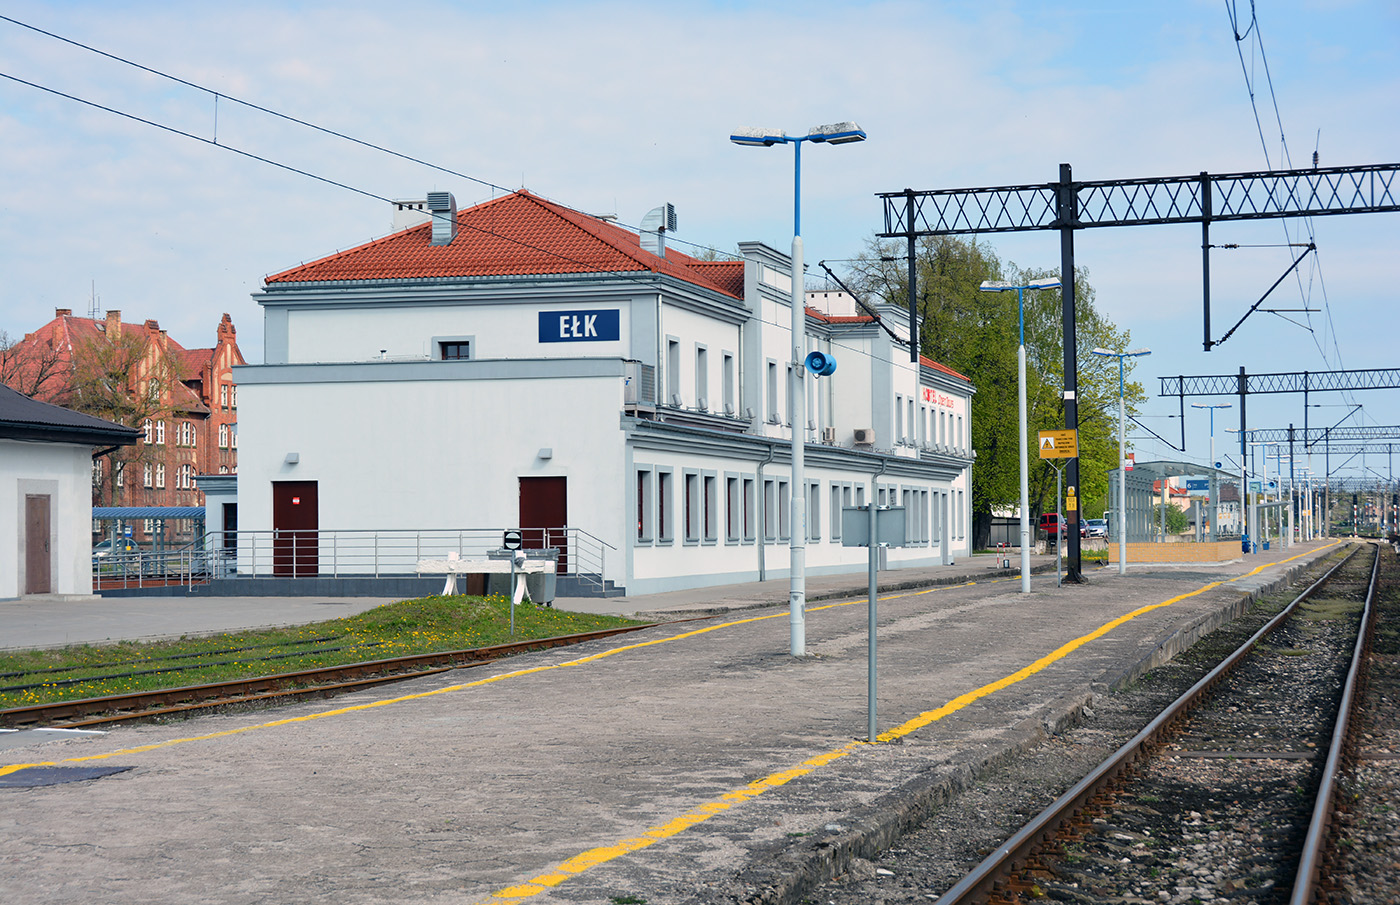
(522, 364)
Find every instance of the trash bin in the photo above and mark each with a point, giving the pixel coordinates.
(539, 586)
(1244, 543)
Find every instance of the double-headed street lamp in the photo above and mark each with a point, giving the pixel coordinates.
(1000, 286)
(1122, 455)
(834, 134)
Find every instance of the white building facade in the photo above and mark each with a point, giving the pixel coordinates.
(521, 364)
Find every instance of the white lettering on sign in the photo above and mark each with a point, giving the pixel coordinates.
(937, 398)
(573, 326)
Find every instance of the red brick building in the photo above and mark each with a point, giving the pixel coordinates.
(184, 400)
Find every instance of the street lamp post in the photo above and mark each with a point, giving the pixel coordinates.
(1215, 478)
(999, 286)
(834, 134)
(1123, 455)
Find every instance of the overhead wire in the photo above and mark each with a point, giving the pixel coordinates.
(217, 95)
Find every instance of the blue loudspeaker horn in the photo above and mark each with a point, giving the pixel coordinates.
(820, 364)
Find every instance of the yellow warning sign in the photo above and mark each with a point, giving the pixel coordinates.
(1059, 444)
(1071, 502)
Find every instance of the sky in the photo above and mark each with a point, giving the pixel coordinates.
(619, 107)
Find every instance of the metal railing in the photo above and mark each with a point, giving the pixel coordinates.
(341, 553)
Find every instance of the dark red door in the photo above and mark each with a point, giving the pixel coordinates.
(544, 511)
(294, 524)
(38, 573)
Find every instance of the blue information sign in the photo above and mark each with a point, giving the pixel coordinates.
(600, 325)
(1198, 484)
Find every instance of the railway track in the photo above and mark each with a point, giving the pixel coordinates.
(1227, 794)
(1211, 805)
(322, 682)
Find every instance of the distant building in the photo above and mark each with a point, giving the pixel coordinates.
(184, 401)
(523, 364)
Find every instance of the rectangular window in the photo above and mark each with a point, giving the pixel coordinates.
(749, 510)
(160, 477)
(962, 516)
(702, 378)
(791, 410)
(160, 433)
(814, 510)
(770, 510)
(146, 475)
(455, 351)
(644, 506)
(898, 418)
(958, 441)
(710, 502)
(119, 472)
(673, 372)
(728, 377)
(910, 435)
(223, 395)
(692, 507)
(223, 436)
(733, 510)
(664, 506)
(233, 436)
(784, 510)
(835, 512)
(148, 427)
(773, 415)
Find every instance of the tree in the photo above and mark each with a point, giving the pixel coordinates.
(33, 368)
(128, 378)
(1177, 522)
(975, 333)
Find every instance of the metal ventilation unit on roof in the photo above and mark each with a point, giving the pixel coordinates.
(444, 210)
(655, 225)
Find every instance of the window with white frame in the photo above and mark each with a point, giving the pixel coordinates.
(233, 396)
(233, 436)
(727, 376)
(223, 395)
(770, 509)
(691, 514)
(733, 510)
(223, 436)
(146, 475)
(750, 508)
(791, 410)
(160, 477)
(160, 433)
(773, 414)
(97, 471)
(959, 441)
(673, 371)
(702, 378)
(148, 428)
(709, 502)
(835, 511)
(814, 510)
(646, 519)
(119, 473)
(898, 418)
(784, 510)
(962, 516)
(665, 505)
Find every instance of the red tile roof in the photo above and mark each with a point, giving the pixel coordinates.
(930, 363)
(519, 234)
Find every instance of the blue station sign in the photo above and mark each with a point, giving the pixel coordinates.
(585, 326)
(1198, 484)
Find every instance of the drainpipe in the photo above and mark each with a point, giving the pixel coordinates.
(760, 502)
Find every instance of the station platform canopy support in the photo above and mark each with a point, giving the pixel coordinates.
(113, 519)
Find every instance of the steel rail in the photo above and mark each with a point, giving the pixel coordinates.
(978, 885)
(1314, 843)
(324, 680)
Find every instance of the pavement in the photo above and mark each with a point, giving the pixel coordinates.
(695, 762)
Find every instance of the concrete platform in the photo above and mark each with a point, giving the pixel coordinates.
(686, 763)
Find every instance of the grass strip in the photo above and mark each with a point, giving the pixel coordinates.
(422, 626)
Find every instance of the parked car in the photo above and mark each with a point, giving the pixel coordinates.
(1096, 527)
(122, 545)
(1051, 522)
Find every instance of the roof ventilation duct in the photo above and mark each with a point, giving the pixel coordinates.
(444, 210)
(655, 226)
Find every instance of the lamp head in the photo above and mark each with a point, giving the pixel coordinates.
(836, 133)
(1044, 283)
(995, 286)
(760, 138)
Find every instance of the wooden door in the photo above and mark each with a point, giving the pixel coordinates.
(38, 569)
(294, 524)
(544, 512)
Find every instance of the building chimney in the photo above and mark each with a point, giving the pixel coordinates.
(114, 324)
(444, 210)
(63, 312)
(655, 225)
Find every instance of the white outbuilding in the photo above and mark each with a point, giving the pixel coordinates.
(46, 454)
(519, 364)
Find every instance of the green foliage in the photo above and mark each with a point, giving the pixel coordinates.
(976, 334)
(1177, 521)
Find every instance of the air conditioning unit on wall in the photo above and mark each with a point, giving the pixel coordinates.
(829, 435)
(865, 436)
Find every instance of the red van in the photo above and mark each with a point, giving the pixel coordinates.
(1051, 522)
